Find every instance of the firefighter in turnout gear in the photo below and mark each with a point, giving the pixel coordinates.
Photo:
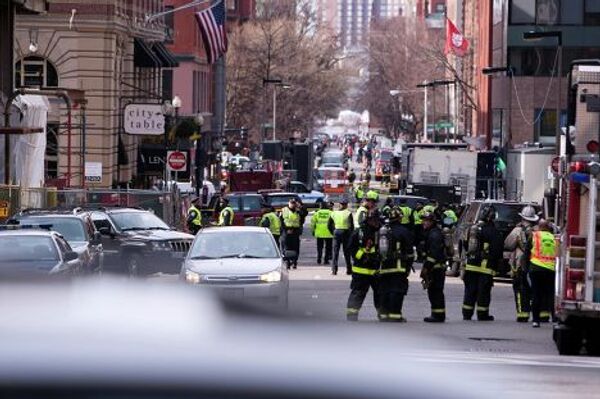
(517, 244)
(320, 228)
(366, 262)
(226, 215)
(386, 209)
(483, 254)
(271, 221)
(543, 251)
(291, 219)
(396, 249)
(342, 225)
(194, 217)
(433, 273)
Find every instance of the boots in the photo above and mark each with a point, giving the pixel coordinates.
(435, 319)
(334, 270)
(485, 317)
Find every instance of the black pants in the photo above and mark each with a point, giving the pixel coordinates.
(277, 238)
(542, 289)
(478, 293)
(522, 292)
(342, 239)
(435, 292)
(392, 290)
(358, 291)
(324, 242)
(291, 242)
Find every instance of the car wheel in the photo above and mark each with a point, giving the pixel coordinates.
(134, 264)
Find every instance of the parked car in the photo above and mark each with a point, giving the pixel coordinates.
(280, 200)
(310, 198)
(138, 242)
(411, 200)
(239, 262)
(247, 208)
(75, 225)
(507, 217)
(31, 253)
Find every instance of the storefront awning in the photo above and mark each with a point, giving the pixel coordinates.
(143, 56)
(164, 55)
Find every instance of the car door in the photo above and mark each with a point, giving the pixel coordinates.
(72, 268)
(111, 247)
(95, 244)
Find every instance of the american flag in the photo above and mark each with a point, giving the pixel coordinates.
(212, 26)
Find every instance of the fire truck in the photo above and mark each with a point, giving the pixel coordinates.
(577, 300)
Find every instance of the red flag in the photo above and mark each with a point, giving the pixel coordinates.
(455, 41)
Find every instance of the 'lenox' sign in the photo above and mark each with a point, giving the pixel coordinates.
(144, 119)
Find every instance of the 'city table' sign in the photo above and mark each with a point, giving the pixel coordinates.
(144, 119)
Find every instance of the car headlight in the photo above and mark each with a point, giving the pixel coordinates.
(271, 277)
(193, 277)
(160, 246)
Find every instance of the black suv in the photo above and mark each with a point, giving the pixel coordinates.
(138, 242)
(507, 217)
(77, 228)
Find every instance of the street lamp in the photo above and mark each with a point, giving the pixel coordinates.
(276, 83)
(199, 159)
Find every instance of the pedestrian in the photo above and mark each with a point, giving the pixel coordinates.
(271, 221)
(342, 224)
(351, 177)
(517, 244)
(226, 215)
(483, 254)
(291, 221)
(433, 272)
(320, 230)
(387, 207)
(194, 217)
(396, 266)
(543, 251)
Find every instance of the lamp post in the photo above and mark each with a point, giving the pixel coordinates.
(275, 83)
(398, 93)
(176, 105)
(424, 86)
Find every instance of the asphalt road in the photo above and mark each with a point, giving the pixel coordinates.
(520, 359)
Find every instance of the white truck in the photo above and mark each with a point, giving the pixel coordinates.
(577, 300)
(528, 173)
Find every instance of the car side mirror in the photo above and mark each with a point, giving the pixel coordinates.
(71, 256)
(96, 238)
(105, 231)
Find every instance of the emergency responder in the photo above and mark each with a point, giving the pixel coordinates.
(386, 209)
(396, 265)
(320, 229)
(342, 225)
(483, 254)
(431, 207)
(433, 273)
(271, 221)
(226, 215)
(543, 250)
(449, 214)
(194, 217)
(291, 221)
(407, 217)
(366, 261)
(418, 228)
(516, 243)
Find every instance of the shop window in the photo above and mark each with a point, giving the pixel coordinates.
(35, 71)
(545, 127)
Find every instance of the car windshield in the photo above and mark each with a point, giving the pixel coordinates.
(507, 214)
(138, 221)
(337, 158)
(279, 200)
(24, 248)
(233, 244)
(71, 228)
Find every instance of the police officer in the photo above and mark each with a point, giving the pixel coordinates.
(386, 209)
(342, 225)
(359, 193)
(320, 228)
(226, 215)
(543, 251)
(291, 219)
(450, 214)
(483, 254)
(407, 217)
(396, 265)
(194, 217)
(271, 221)
(433, 273)
(517, 244)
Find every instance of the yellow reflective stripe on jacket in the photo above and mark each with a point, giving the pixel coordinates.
(363, 270)
(480, 269)
(398, 269)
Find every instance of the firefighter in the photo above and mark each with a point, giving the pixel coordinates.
(320, 228)
(516, 243)
(483, 253)
(418, 228)
(292, 225)
(366, 262)
(386, 209)
(194, 217)
(226, 215)
(342, 225)
(396, 265)
(543, 250)
(271, 221)
(433, 273)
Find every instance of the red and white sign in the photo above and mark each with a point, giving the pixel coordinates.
(455, 41)
(176, 161)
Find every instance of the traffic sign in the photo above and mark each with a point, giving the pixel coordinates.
(176, 161)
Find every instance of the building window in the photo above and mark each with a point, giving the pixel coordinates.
(231, 5)
(571, 12)
(35, 71)
(522, 12)
(51, 159)
(169, 25)
(497, 127)
(592, 12)
(545, 127)
(547, 12)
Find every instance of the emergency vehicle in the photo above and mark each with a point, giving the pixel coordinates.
(333, 180)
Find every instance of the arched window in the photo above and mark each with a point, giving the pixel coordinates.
(34, 71)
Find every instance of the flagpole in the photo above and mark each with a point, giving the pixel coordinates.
(150, 18)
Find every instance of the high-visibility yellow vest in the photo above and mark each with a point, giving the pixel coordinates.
(224, 211)
(417, 215)
(274, 223)
(291, 219)
(429, 208)
(360, 194)
(359, 215)
(341, 219)
(197, 221)
(320, 223)
(406, 212)
(449, 213)
(544, 250)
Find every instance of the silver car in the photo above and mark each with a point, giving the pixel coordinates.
(238, 262)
